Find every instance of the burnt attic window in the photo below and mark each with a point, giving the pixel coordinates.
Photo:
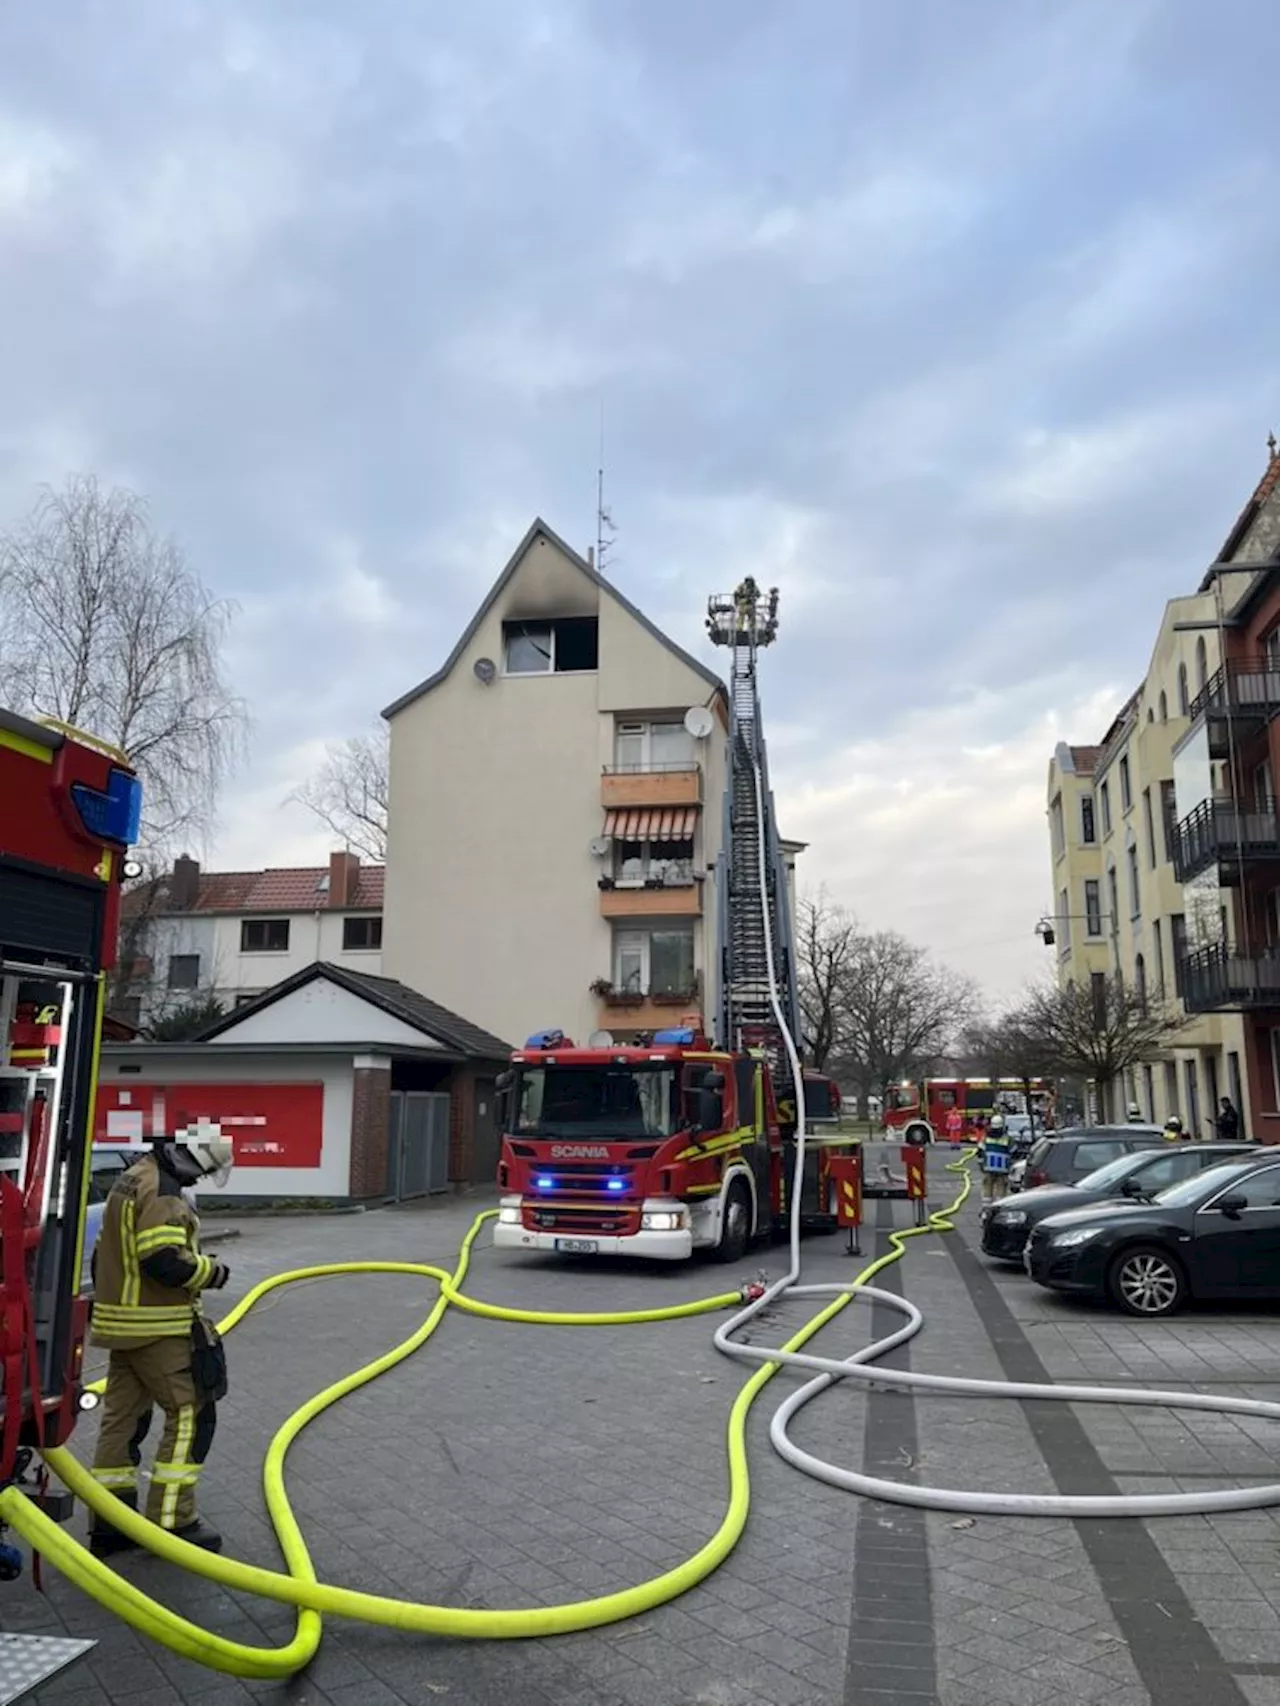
(556, 647)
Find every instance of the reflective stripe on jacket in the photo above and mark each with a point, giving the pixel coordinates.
(147, 1230)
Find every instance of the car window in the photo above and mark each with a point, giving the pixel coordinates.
(1091, 1155)
(1039, 1152)
(1102, 1178)
(1259, 1190)
(1201, 1186)
(106, 1170)
(1158, 1172)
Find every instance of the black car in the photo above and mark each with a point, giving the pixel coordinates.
(1136, 1176)
(1214, 1235)
(1069, 1156)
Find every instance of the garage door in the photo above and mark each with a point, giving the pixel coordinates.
(418, 1147)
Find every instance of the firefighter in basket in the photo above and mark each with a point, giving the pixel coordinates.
(995, 1160)
(149, 1276)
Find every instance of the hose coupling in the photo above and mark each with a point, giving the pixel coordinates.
(751, 1291)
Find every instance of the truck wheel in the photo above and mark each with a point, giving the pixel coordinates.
(735, 1228)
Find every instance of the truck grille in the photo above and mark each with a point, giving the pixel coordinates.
(581, 1219)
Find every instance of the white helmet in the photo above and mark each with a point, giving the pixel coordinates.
(209, 1150)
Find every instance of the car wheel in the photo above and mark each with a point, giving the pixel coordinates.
(735, 1228)
(1146, 1281)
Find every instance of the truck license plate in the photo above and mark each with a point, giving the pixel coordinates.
(577, 1246)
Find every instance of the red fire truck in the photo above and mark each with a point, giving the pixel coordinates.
(652, 1151)
(939, 1100)
(71, 810)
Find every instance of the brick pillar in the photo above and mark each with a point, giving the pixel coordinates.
(462, 1125)
(1261, 1118)
(370, 1118)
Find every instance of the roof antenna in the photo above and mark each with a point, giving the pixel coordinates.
(604, 521)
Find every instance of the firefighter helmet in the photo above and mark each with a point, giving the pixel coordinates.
(210, 1152)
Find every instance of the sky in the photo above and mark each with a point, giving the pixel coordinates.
(956, 323)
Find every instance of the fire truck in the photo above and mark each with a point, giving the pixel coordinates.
(71, 811)
(937, 1100)
(683, 1143)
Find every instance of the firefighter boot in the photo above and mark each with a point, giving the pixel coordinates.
(105, 1541)
(202, 1534)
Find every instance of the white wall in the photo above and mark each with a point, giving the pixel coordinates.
(321, 1012)
(202, 1065)
(495, 799)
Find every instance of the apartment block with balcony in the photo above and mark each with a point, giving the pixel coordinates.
(1227, 776)
(556, 812)
(1114, 835)
(194, 936)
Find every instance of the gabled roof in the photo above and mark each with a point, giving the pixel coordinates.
(1266, 487)
(389, 996)
(539, 529)
(1083, 758)
(296, 888)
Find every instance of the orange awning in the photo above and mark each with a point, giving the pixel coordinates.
(652, 823)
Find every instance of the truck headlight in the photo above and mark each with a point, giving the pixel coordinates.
(509, 1216)
(663, 1220)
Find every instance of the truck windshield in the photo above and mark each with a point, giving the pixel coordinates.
(597, 1101)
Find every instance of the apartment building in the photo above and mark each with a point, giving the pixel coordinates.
(1139, 828)
(557, 792)
(196, 936)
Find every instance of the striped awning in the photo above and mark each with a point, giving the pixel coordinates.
(652, 823)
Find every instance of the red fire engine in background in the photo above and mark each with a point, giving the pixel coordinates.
(974, 1100)
(71, 810)
(655, 1151)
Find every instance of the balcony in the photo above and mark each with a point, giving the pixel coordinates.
(1237, 696)
(623, 786)
(653, 898)
(640, 1010)
(1219, 833)
(1215, 980)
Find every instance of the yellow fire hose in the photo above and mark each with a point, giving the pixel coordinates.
(300, 1586)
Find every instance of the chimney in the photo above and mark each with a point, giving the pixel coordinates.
(344, 878)
(184, 883)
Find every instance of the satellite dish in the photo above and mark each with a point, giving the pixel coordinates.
(600, 1039)
(600, 846)
(699, 722)
(484, 669)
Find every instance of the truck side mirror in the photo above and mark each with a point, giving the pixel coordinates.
(710, 1110)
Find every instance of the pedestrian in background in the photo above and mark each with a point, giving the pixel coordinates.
(1227, 1123)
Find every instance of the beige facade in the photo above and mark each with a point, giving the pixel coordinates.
(554, 825)
(1118, 905)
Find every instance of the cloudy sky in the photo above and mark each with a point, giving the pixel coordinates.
(958, 322)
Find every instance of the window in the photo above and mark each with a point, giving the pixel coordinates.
(1064, 921)
(1135, 895)
(1271, 649)
(1098, 991)
(264, 936)
(1093, 907)
(545, 648)
(1104, 796)
(1113, 895)
(667, 862)
(654, 962)
(1169, 817)
(1264, 788)
(1184, 701)
(1095, 1154)
(1271, 917)
(361, 935)
(1126, 788)
(1170, 1089)
(1157, 942)
(1055, 827)
(653, 746)
(1259, 1190)
(1149, 1084)
(1178, 947)
(1088, 834)
(1164, 706)
(184, 971)
(583, 1102)
(1140, 980)
(1202, 664)
(1149, 823)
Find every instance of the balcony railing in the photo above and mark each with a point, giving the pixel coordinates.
(1216, 979)
(651, 785)
(1248, 688)
(1219, 832)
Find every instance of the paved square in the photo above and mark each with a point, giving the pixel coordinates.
(516, 1466)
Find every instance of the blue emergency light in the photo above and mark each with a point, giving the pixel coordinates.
(546, 1039)
(544, 1184)
(681, 1037)
(115, 815)
(616, 1184)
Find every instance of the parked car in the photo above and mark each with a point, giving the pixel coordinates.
(1068, 1156)
(1136, 1176)
(1215, 1235)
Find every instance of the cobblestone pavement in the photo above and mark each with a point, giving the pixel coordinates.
(516, 1466)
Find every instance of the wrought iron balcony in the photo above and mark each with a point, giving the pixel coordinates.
(1220, 833)
(1237, 695)
(1217, 979)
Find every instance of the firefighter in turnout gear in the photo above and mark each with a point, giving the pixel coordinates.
(149, 1275)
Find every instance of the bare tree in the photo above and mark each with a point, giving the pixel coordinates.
(349, 793)
(104, 625)
(826, 942)
(900, 1013)
(1005, 1048)
(1095, 1031)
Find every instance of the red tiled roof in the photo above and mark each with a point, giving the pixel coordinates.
(289, 889)
(1084, 758)
(1265, 488)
